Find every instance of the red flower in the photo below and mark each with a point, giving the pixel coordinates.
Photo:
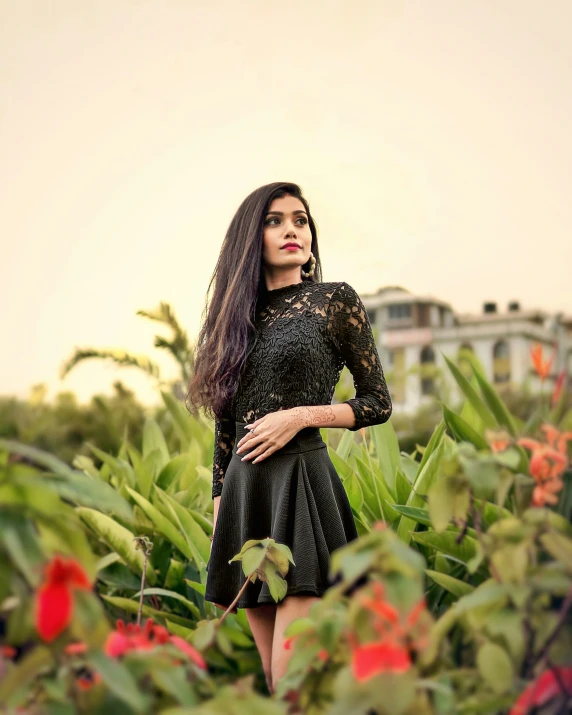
(375, 658)
(542, 690)
(7, 651)
(87, 679)
(132, 637)
(189, 651)
(288, 642)
(541, 365)
(397, 637)
(54, 601)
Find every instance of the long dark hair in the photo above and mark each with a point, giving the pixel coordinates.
(228, 318)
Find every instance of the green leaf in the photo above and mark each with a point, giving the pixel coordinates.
(23, 548)
(192, 607)
(133, 607)
(446, 542)
(345, 445)
(472, 396)
(198, 542)
(180, 466)
(153, 439)
(425, 479)
(448, 498)
(559, 547)
(252, 559)
(198, 587)
(120, 468)
(402, 487)
(461, 430)
(354, 492)
(181, 418)
(174, 682)
(118, 538)
(163, 525)
(276, 583)
(489, 594)
(495, 403)
(118, 679)
(421, 516)
(496, 667)
(386, 451)
(25, 673)
(432, 445)
(454, 585)
(376, 493)
(490, 513)
(106, 561)
(69, 484)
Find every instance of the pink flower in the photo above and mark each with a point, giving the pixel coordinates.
(131, 637)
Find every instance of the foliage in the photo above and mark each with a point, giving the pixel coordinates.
(455, 598)
(64, 427)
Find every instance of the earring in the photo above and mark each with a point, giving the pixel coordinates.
(312, 267)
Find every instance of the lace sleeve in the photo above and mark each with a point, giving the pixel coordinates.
(351, 332)
(225, 437)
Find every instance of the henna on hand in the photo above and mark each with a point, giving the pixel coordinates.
(314, 414)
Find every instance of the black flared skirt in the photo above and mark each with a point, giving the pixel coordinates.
(294, 496)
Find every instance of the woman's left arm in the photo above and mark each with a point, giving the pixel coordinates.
(350, 329)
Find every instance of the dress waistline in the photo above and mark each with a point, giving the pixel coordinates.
(307, 439)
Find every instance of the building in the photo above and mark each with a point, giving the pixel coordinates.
(415, 332)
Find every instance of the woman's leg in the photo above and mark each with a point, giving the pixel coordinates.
(261, 621)
(289, 609)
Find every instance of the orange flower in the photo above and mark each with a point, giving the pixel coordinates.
(547, 464)
(54, 600)
(558, 387)
(541, 365)
(556, 439)
(499, 440)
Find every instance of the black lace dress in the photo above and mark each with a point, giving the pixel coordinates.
(305, 333)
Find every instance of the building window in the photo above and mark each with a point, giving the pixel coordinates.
(399, 311)
(427, 360)
(501, 362)
(371, 314)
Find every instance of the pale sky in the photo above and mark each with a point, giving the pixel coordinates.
(432, 139)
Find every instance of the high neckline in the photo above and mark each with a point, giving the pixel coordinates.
(286, 289)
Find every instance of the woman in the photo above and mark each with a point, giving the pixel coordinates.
(269, 355)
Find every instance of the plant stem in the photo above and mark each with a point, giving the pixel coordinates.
(543, 654)
(143, 574)
(233, 604)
